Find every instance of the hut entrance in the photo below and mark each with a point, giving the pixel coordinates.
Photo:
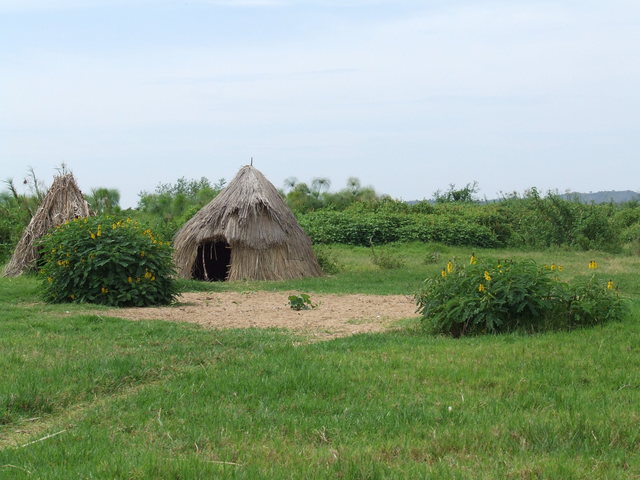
(212, 262)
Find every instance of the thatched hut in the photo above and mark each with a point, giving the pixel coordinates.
(64, 201)
(246, 233)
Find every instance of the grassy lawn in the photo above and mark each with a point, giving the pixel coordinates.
(90, 397)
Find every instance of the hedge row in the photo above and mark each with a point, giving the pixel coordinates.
(364, 228)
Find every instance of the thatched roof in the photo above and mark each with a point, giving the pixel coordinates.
(265, 239)
(64, 201)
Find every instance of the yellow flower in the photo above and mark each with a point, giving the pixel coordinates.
(473, 260)
(481, 288)
(104, 290)
(560, 268)
(49, 279)
(142, 254)
(610, 285)
(449, 267)
(99, 231)
(487, 277)
(93, 235)
(129, 279)
(553, 267)
(443, 273)
(593, 265)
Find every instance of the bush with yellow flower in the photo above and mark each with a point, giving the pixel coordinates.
(108, 261)
(509, 295)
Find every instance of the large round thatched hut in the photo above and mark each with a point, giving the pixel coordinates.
(246, 233)
(64, 201)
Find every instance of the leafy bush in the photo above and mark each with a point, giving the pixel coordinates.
(510, 295)
(631, 233)
(301, 302)
(432, 257)
(15, 214)
(12, 223)
(107, 261)
(327, 260)
(385, 259)
(589, 303)
(361, 229)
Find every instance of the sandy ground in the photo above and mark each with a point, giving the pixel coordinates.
(334, 316)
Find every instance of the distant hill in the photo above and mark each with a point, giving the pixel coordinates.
(603, 197)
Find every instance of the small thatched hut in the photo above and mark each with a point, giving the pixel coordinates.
(246, 233)
(64, 201)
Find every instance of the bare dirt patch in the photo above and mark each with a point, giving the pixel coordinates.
(335, 315)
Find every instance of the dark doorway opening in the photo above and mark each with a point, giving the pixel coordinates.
(212, 262)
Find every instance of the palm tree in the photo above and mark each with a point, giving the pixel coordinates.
(104, 200)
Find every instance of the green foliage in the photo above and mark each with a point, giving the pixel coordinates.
(13, 220)
(432, 257)
(104, 201)
(539, 222)
(171, 205)
(385, 259)
(360, 229)
(533, 221)
(16, 210)
(589, 302)
(106, 261)
(301, 302)
(327, 259)
(458, 195)
(303, 198)
(510, 295)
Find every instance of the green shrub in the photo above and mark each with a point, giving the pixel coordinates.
(107, 261)
(631, 234)
(327, 260)
(385, 259)
(588, 302)
(13, 220)
(360, 229)
(432, 257)
(510, 295)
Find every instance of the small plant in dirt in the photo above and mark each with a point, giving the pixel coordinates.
(301, 302)
(508, 295)
(107, 261)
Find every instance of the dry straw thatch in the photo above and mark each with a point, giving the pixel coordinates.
(64, 201)
(246, 233)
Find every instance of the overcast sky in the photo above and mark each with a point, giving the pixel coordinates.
(408, 96)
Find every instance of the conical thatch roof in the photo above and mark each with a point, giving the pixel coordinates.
(250, 218)
(64, 201)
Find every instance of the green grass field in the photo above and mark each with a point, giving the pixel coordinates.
(82, 396)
